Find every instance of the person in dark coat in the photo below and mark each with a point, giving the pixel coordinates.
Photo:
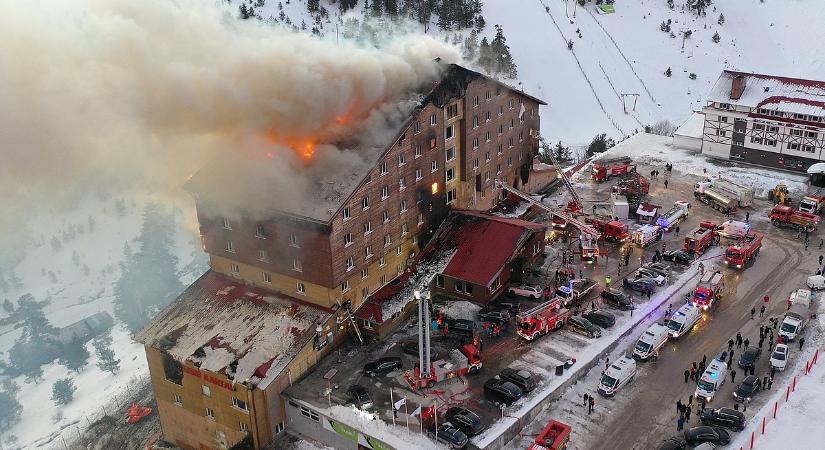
(801, 342)
(680, 423)
(586, 399)
(732, 376)
(687, 375)
(687, 414)
(746, 342)
(591, 405)
(770, 382)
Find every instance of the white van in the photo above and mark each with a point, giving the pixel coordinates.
(713, 378)
(801, 297)
(617, 376)
(683, 320)
(645, 235)
(733, 229)
(651, 341)
(816, 282)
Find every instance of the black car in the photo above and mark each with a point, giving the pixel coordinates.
(580, 325)
(723, 417)
(359, 396)
(749, 357)
(672, 444)
(678, 256)
(461, 326)
(748, 388)
(503, 391)
(382, 366)
(450, 435)
(411, 348)
(465, 420)
(512, 306)
(601, 318)
(643, 285)
(525, 380)
(494, 315)
(701, 434)
(617, 298)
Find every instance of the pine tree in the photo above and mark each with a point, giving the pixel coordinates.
(600, 144)
(106, 360)
(244, 13)
(480, 23)
(313, 5)
(670, 4)
(10, 408)
(36, 345)
(391, 7)
(471, 46)
(63, 391)
(74, 355)
(721, 20)
(485, 58)
(700, 6)
(561, 152)
(502, 60)
(8, 306)
(376, 8)
(716, 38)
(668, 72)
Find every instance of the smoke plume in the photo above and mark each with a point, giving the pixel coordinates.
(102, 93)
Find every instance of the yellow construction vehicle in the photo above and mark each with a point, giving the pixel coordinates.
(779, 195)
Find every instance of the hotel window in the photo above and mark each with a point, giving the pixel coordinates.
(385, 192)
(234, 268)
(230, 247)
(367, 324)
(475, 163)
(347, 214)
(433, 119)
(520, 136)
(365, 292)
(500, 149)
(368, 227)
(487, 155)
(296, 265)
(178, 401)
(487, 136)
(510, 142)
(385, 216)
(244, 427)
(418, 150)
(267, 277)
(722, 133)
(382, 262)
(450, 174)
(451, 196)
(387, 240)
(487, 116)
(487, 95)
(398, 269)
(475, 142)
(350, 266)
(808, 148)
(434, 166)
(306, 412)
(383, 168)
(403, 206)
(345, 284)
(811, 134)
(293, 240)
(365, 203)
(520, 155)
(402, 139)
(262, 255)
(383, 279)
(450, 153)
(280, 427)
(365, 272)
(509, 161)
(756, 140)
(487, 175)
(512, 123)
(475, 121)
(226, 224)
(417, 174)
(452, 111)
(439, 280)
(510, 103)
(796, 132)
(498, 169)
(758, 126)
(210, 414)
(500, 110)
(459, 286)
(770, 142)
(723, 118)
(404, 229)
(260, 232)
(793, 146)
(500, 129)
(415, 240)
(397, 250)
(206, 391)
(773, 129)
(401, 160)
(417, 127)
(402, 183)
(420, 218)
(368, 251)
(347, 239)
(475, 101)
(301, 288)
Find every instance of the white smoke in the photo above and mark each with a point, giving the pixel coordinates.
(102, 93)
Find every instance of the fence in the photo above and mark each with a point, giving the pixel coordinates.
(773, 412)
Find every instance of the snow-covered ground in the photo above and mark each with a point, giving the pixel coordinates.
(76, 295)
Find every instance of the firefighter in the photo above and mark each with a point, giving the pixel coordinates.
(607, 280)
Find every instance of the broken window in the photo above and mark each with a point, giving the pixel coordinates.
(172, 369)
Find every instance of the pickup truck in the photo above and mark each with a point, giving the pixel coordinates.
(575, 290)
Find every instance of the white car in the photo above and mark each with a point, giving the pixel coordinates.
(651, 274)
(527, 291)
(816, 282)
(779, 357)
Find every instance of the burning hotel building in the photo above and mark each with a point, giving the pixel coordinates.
(284, 281)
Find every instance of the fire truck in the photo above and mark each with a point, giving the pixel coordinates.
(554, 436)
(812, 204)
(632, 188)
(709, 289)
(674, 215)
(462, 361)
(612, 230)
(785, 216)
(605, 168)
(701, 238)
(745, 250)
(542, 319)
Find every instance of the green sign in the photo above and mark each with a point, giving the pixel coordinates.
(344, 431)
(378, 445)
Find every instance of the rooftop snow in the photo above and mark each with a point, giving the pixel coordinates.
(780, 93)
(217, 321)
(693, 126)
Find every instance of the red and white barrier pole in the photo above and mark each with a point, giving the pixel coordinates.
(753, 438)
(787, 393)
(763, 425)
(775, 407)
(794, 384)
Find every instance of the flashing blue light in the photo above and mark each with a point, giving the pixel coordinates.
(680, 313)
(714, 375)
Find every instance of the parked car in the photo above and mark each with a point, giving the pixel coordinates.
(502, 390)
(642, 285)
(359, 396)
(411, 348)
(748, 389)
(511, 306)
(601, 318)
(678, 256)
(703, 433)
(526, 290)
(749, 357)
(723, 417)
(617, 298)
(382, 366)
(779, 357)
(580, 325)
(659, 267)
(494, 315)
(465, 420)
(461, 326)
(525, 380)
(643, 272)
(449, 434)
(672, 444)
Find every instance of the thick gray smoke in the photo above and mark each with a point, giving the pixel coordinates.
(98, 93)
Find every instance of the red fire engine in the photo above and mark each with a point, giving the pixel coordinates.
(709, 289)
(785, 216)
(555, 436)
(463, 361)
(611, 230)
(606, 168)
(542, 319)
(700, 239)
(743, 252)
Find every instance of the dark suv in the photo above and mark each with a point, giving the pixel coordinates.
(503, 391)
(643, 285)
(494, 315)
(601, 318)
(382, 366)
(749, 357)
(450, 435)
(723, 417)
(465, 420)
(702, 434)
(359, 396)
(461, 326)
(580, 325)
(617, 298)
(525, 380)
(747, 389)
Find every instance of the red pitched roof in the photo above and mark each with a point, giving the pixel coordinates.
(484, 244)
(372, 309)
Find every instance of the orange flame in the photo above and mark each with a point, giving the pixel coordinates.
(303, 147)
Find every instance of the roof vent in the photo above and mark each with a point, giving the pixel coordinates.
(737, 87)
(767, 88)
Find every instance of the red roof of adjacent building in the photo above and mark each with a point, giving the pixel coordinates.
(484, 245)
